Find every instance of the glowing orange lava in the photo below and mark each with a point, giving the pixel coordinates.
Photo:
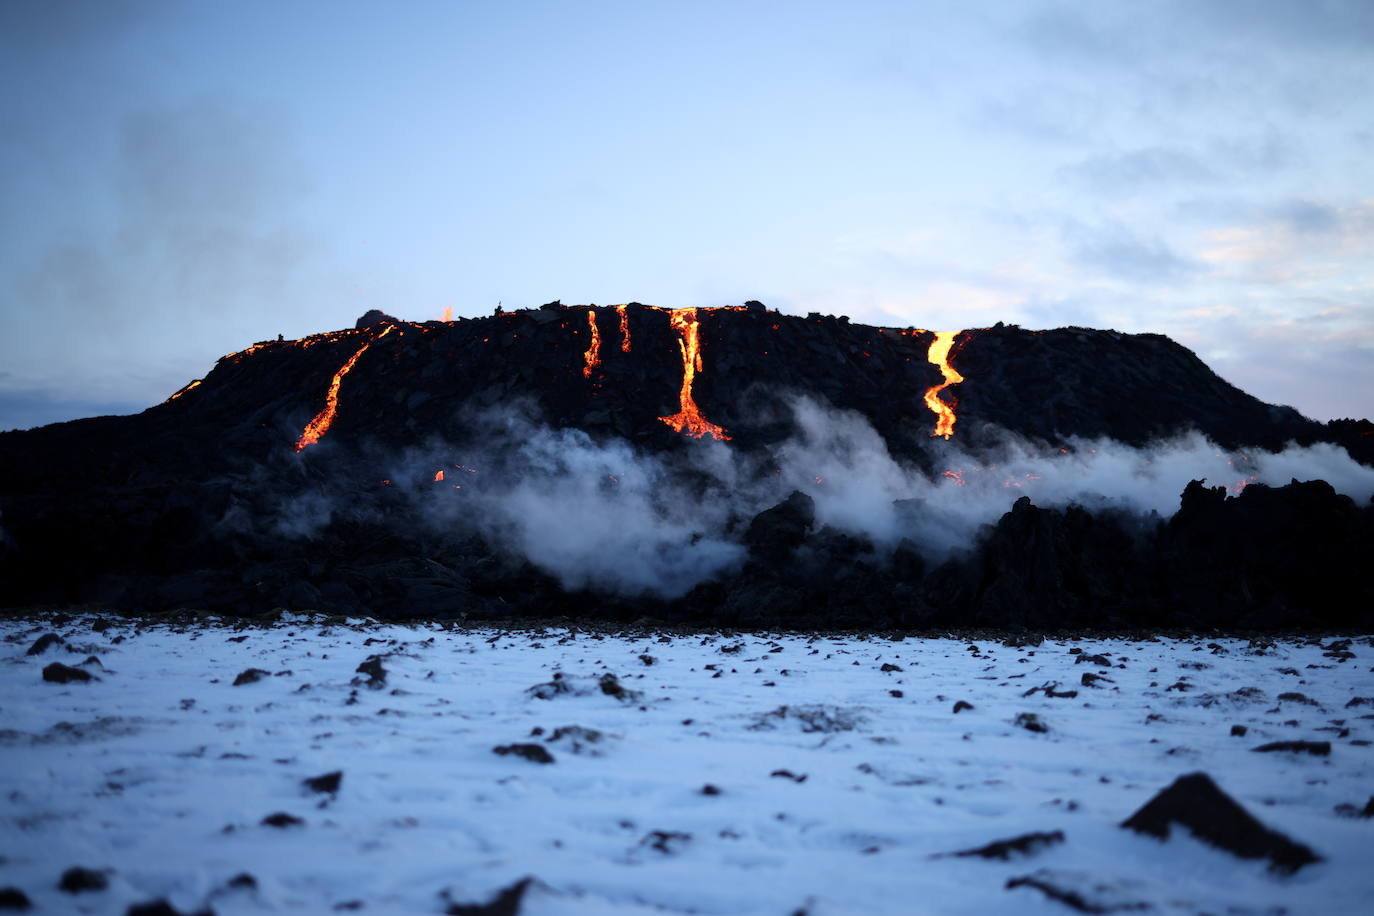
(939, 356)
(688, 419)
(592, 357)
(325, 418)
(194, 384)
(624, 328)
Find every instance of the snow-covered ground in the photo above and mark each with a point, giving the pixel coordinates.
(162, 771)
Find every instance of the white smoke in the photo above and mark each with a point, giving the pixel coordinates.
(601, 515)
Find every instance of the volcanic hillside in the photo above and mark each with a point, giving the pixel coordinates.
(183, 504)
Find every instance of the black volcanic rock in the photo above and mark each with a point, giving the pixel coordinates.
(775, 533)
(59, 673)
(373, 317)
(1194, 801)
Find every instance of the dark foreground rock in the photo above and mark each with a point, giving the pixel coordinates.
(78, 880)
(58, 673)
(12, 898)
(1025, 845)
(327, 783)
(1086, 893)
(505, 903)
(1195, 802)
(1315, 748)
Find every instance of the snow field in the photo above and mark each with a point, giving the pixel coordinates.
(164, 770)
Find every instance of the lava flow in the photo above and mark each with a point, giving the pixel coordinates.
(939, 356)
(624, 328)
(688, 419)
(592, 358)
(325, 418)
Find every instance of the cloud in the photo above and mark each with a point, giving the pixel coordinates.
(203, 238)
(1114, 250)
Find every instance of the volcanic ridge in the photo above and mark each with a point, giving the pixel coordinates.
(397, 469)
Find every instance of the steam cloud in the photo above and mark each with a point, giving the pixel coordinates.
(604, 516)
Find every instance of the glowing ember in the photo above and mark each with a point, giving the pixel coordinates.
(194, 384)
(438, 475)
(624, 328)
(956, 476)
(939, 356)
(688, 419)
(325, 418)
(592, 357)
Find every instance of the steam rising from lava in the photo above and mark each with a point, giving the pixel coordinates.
(601, 515)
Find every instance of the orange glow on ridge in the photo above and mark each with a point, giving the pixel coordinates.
(688, 419)
(194, 384)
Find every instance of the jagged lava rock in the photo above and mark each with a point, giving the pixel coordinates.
(1194, 801)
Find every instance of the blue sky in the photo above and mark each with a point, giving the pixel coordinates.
(180, 179)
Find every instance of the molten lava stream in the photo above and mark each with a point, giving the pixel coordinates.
(624, 328)
(592, 358)
(688, 419)
(325, 418)
(939, 356)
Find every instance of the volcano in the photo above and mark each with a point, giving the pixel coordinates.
(305, 474)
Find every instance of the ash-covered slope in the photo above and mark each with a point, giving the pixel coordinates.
(312, 473)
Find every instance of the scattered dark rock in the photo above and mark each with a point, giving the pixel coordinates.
(1030, 722)
(1359, 701)
(961, 705)
(647, 659)
(43, 643)
(250, 676)
(1027, 844)
(77, 880)
(505, 903)
(1084, 893)
(788, 774)
(1194, 801)
(1349, 810)
(1316, 748)
(709, 789)
(162, 908)
(888, 666)
(1294, 697)
(329, 782)
(666, 841)
(1091, 680)
(813, 718)
(282, 820)
(376, 674)
(578, 739)
(244, 881)
(547, 691)
(58, 673)
(611, 686)
(1101, 661)
(1239, 731)
(535, 753)
(12, 898)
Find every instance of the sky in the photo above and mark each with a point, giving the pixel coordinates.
(181, 179)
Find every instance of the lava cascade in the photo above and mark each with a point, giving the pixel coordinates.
(624, 313)
(592, 358)
(688, 419)
(325, 418)
(939, 356)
